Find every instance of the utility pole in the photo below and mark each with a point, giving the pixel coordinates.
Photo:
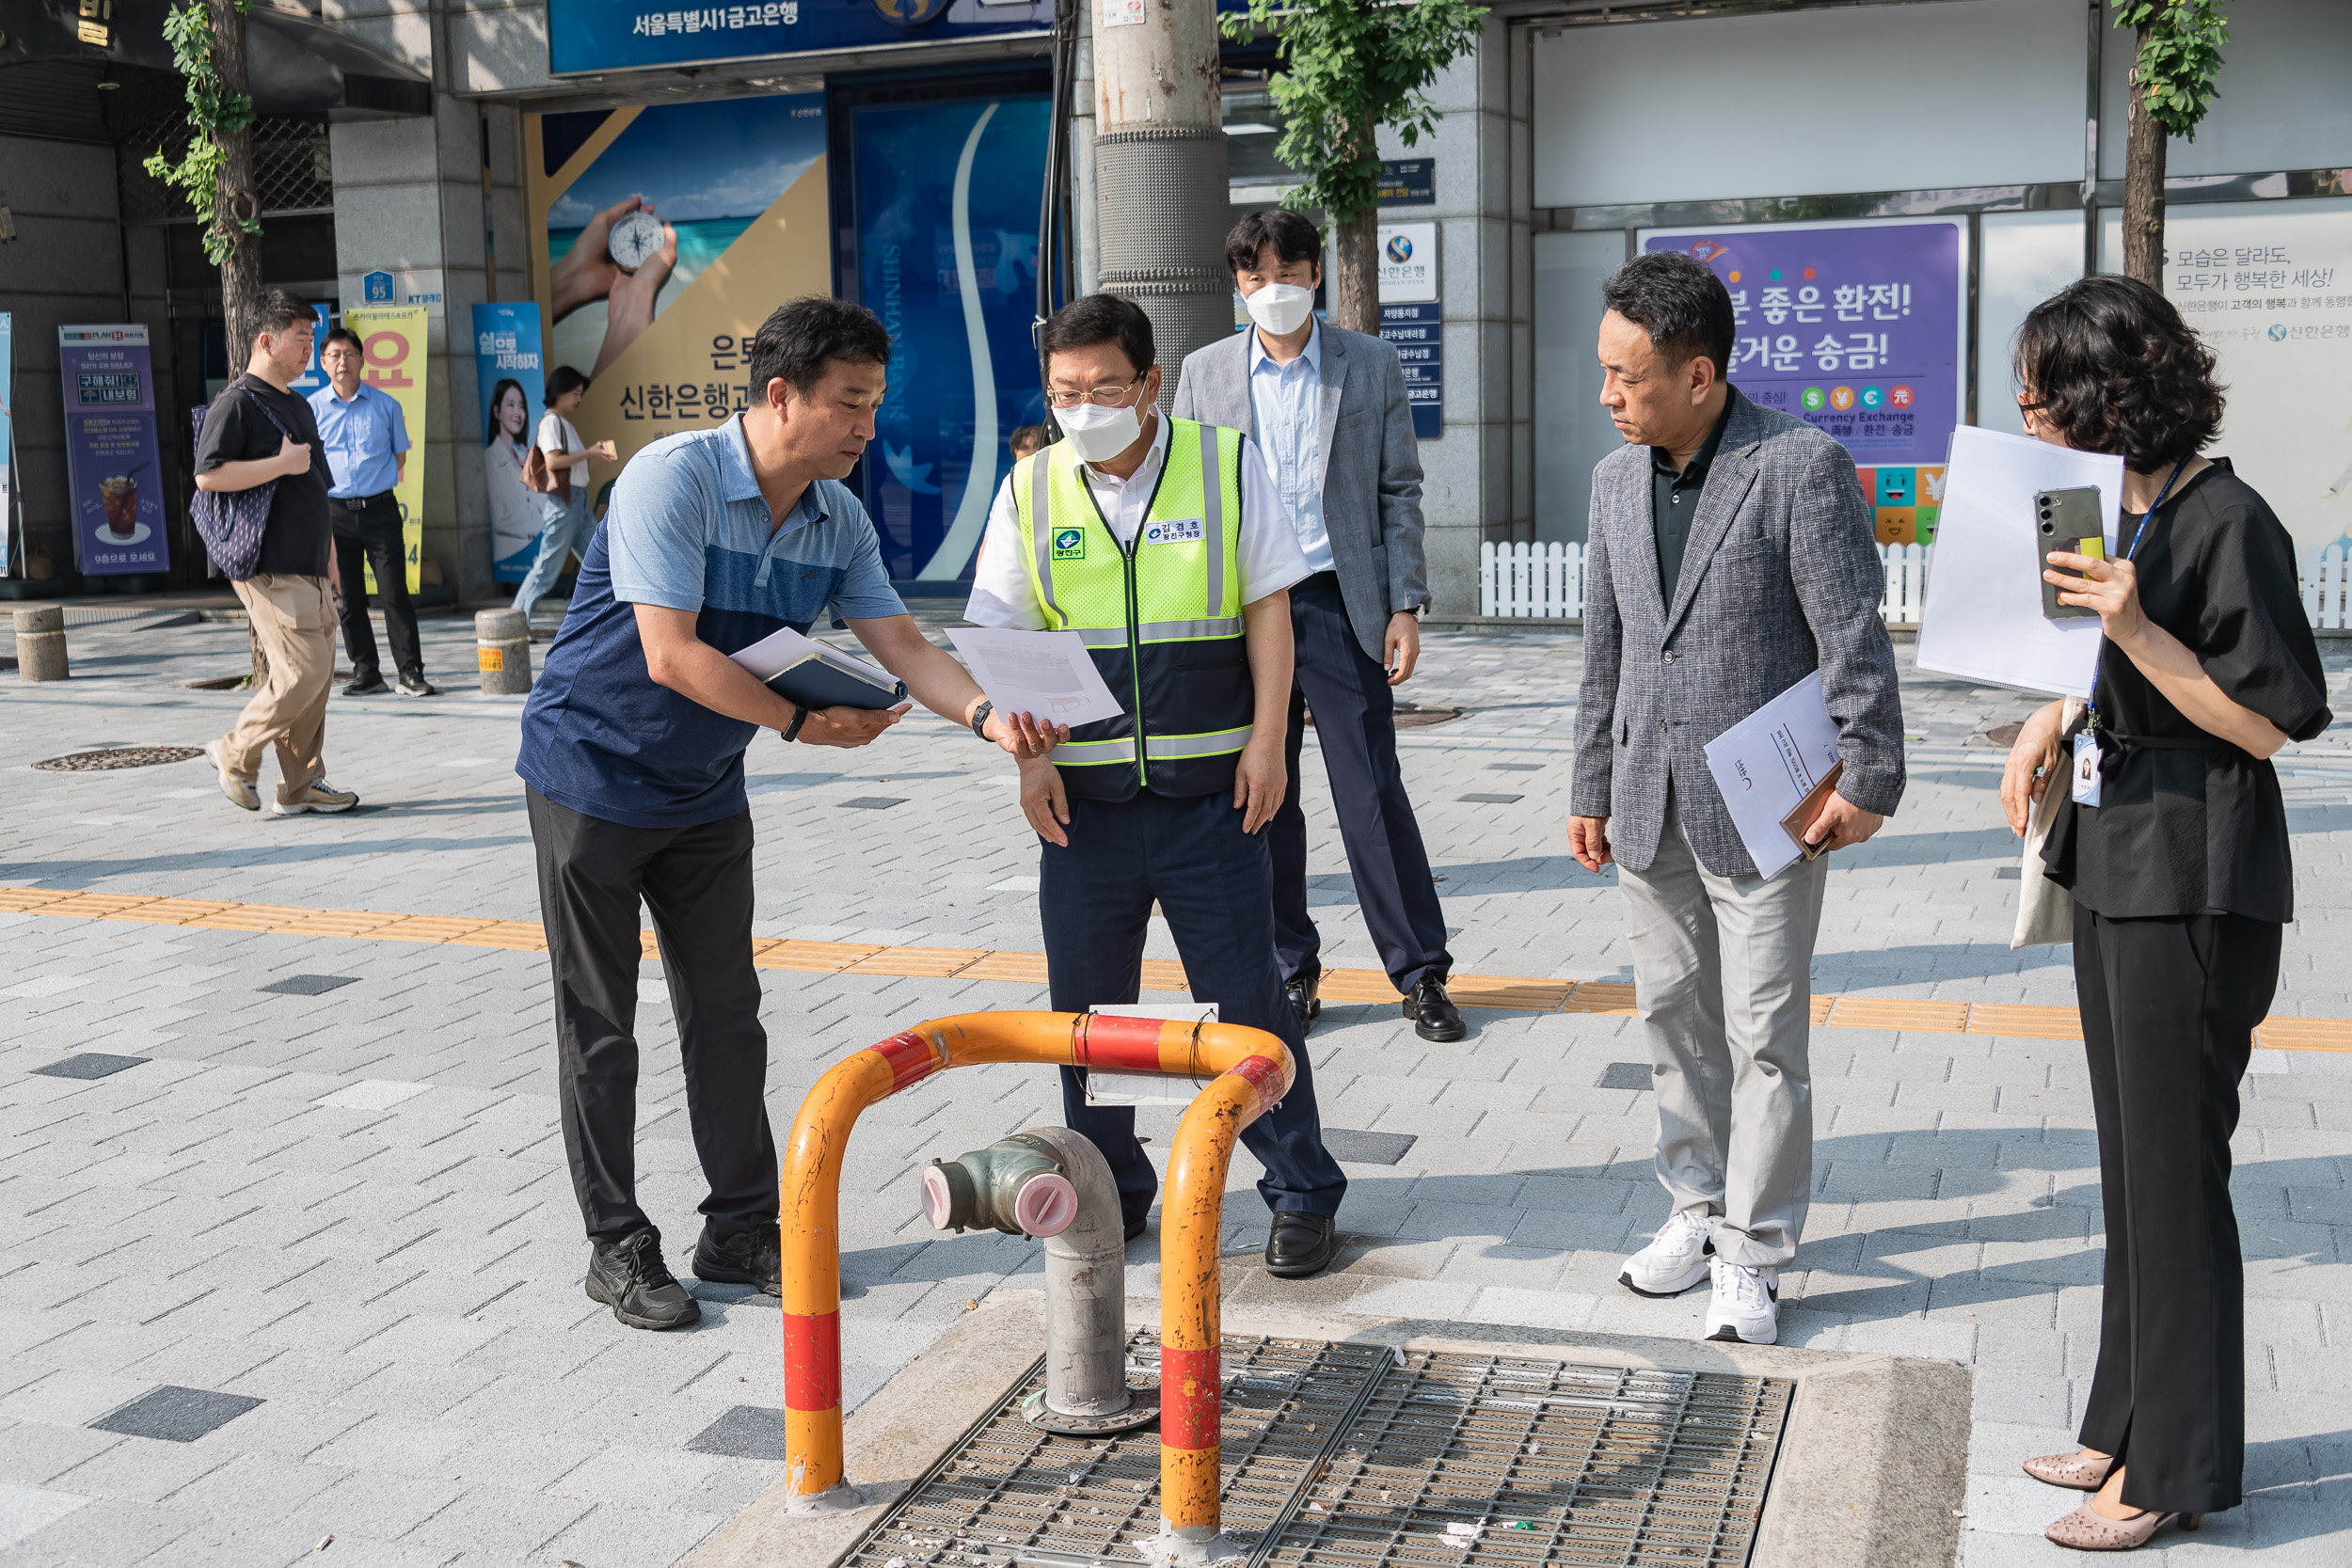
(1160, 189)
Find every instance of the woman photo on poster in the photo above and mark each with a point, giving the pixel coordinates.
(514, 508)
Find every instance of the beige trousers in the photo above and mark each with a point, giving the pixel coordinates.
(1722, 979)
(294, 618)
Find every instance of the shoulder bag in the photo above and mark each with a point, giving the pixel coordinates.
(2046, 911)
(231, 522)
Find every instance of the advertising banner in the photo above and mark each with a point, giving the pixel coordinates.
(946, 236)
(393, 338)
(509, 365)
(1856, 328)
(115, 490)
(2268, 286)
(315, 378)
(619, 35)
(8, 445)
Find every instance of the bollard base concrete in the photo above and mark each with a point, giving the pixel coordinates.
(1872, 1468)
(502, 650)
(40, 645)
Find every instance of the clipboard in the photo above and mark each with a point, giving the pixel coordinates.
(1797, 821)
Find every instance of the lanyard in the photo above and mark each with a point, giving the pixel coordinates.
(2137, 534)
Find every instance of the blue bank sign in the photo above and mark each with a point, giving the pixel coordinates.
(617, 35)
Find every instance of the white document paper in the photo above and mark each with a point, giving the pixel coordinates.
(1048, 675)
(1768, 762)
(1983, 614)
(780, 649)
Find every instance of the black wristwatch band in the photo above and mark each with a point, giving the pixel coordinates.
(799, 717)
(979, 718)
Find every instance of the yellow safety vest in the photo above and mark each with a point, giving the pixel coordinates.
(1161, 617)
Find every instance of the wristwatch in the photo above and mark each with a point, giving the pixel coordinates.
(979, 718)
(799, 717)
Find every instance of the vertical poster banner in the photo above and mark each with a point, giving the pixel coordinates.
(947, 246)
(315, 378)
(393, 338)
(662, 237)
(1857, 329)
(8, 445)
(507, 362)
(115, 490)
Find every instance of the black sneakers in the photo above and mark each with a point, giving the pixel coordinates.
(740, 1258)
(629, 1277)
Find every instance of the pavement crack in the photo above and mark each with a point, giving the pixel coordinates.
(406, 1244)
(149, 1323)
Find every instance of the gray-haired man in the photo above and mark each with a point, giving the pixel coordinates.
(1731, 555)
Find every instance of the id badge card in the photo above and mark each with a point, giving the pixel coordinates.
(2087, 769)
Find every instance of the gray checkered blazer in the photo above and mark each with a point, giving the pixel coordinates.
(1782, 578)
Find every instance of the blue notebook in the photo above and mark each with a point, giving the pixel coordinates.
(815, 674)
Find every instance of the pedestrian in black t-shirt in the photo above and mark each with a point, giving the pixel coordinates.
(258, 433)
(2174, 846)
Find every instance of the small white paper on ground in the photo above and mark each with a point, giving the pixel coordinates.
(1048, 675)
(1146, 1089)
(1768, 762)
(1983, 617)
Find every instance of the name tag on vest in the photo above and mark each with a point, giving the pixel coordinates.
(1176, 531)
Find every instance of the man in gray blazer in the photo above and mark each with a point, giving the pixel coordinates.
(1328, 408)
(1731, 555)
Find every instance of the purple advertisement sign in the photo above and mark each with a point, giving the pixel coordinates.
(1854, 327)
(117, 490)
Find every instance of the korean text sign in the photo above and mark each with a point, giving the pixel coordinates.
(393, 341)
(114, 489)
(618, 34)
(508, 363)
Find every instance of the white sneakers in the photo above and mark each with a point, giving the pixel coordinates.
(241, 792)
(1745, 1305)
(1675, 1258)
(319, 796)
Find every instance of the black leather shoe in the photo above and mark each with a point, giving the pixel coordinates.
(740, 1258)
(1302, 989)
(1435, 1015)
(1138, 1226)
(630, 1277)
(1300, 1245)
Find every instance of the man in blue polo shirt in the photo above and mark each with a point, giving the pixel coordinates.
(367, 452)
(632, 752)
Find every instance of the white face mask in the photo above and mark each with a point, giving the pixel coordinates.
(1282, 309)
(1098, 434)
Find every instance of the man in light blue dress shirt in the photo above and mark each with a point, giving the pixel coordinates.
(367, 452)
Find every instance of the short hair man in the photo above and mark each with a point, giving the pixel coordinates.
(1163, 542)
(1025, 439)
(257, 433)
(366, 438)
(1329, 408)
(1730, 555)
(632, 752)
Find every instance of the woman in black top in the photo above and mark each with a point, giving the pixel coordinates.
(2182, 884)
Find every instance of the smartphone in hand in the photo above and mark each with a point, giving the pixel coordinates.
(2065, 520)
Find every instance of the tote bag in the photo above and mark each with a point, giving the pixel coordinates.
(231, 522)
(2046, 911)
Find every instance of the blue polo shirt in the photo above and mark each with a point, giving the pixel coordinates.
(360, 437)
(687, 530)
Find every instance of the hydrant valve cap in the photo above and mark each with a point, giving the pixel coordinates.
(1046, 1205)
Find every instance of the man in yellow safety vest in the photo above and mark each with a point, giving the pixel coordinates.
(1163, 545)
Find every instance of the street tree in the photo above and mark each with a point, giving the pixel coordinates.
(207, 45)
(2179, 55)
(1347, 68)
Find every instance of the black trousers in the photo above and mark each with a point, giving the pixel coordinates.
(2169, 1009)
(368, 528)
(1094, 900)
(1355, 726)
(696, 882)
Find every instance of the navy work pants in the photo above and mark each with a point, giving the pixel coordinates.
(1355, 730)
(1213, 883)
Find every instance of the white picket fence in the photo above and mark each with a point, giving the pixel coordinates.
(1547, 583)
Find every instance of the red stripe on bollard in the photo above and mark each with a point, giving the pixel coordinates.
(1190, 1404)
(1265, 1077)
(812, 1360)
(1119, 1044)
(912, 1058)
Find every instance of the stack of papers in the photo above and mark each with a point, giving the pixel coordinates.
(1048, 675)
(816, 675)
(1768, 763)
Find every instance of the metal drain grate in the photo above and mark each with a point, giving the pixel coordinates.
(1360, 1456)
(120, 756)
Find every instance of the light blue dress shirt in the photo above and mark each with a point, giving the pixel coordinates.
(360, 437)
(1287, 401)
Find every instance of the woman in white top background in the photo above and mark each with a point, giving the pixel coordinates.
(565, 523)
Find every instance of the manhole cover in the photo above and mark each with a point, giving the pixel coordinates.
(1411, 718)
(1362, 1456)
(125, 757)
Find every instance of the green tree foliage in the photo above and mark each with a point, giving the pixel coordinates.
(2179, 59)
(213, 111)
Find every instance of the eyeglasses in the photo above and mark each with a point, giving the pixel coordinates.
(339, 354)
(1101, 397)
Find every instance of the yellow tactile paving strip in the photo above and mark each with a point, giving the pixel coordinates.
(1504, 992)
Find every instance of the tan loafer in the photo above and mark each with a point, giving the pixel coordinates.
(2071, 1470)
(2087, 1532)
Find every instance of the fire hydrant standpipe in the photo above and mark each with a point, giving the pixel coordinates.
(1250, 1071)
(1051, 1184)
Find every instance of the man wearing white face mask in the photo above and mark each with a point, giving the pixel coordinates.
(1163, 544)
(1329, 408)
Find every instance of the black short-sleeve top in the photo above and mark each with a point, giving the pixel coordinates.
(2188, 823)
(297, 537)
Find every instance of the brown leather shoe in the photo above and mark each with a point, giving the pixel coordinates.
(2071, 1470)
(2087, 1530)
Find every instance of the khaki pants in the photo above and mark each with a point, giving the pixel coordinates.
(1722, 979)
(294, 618)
